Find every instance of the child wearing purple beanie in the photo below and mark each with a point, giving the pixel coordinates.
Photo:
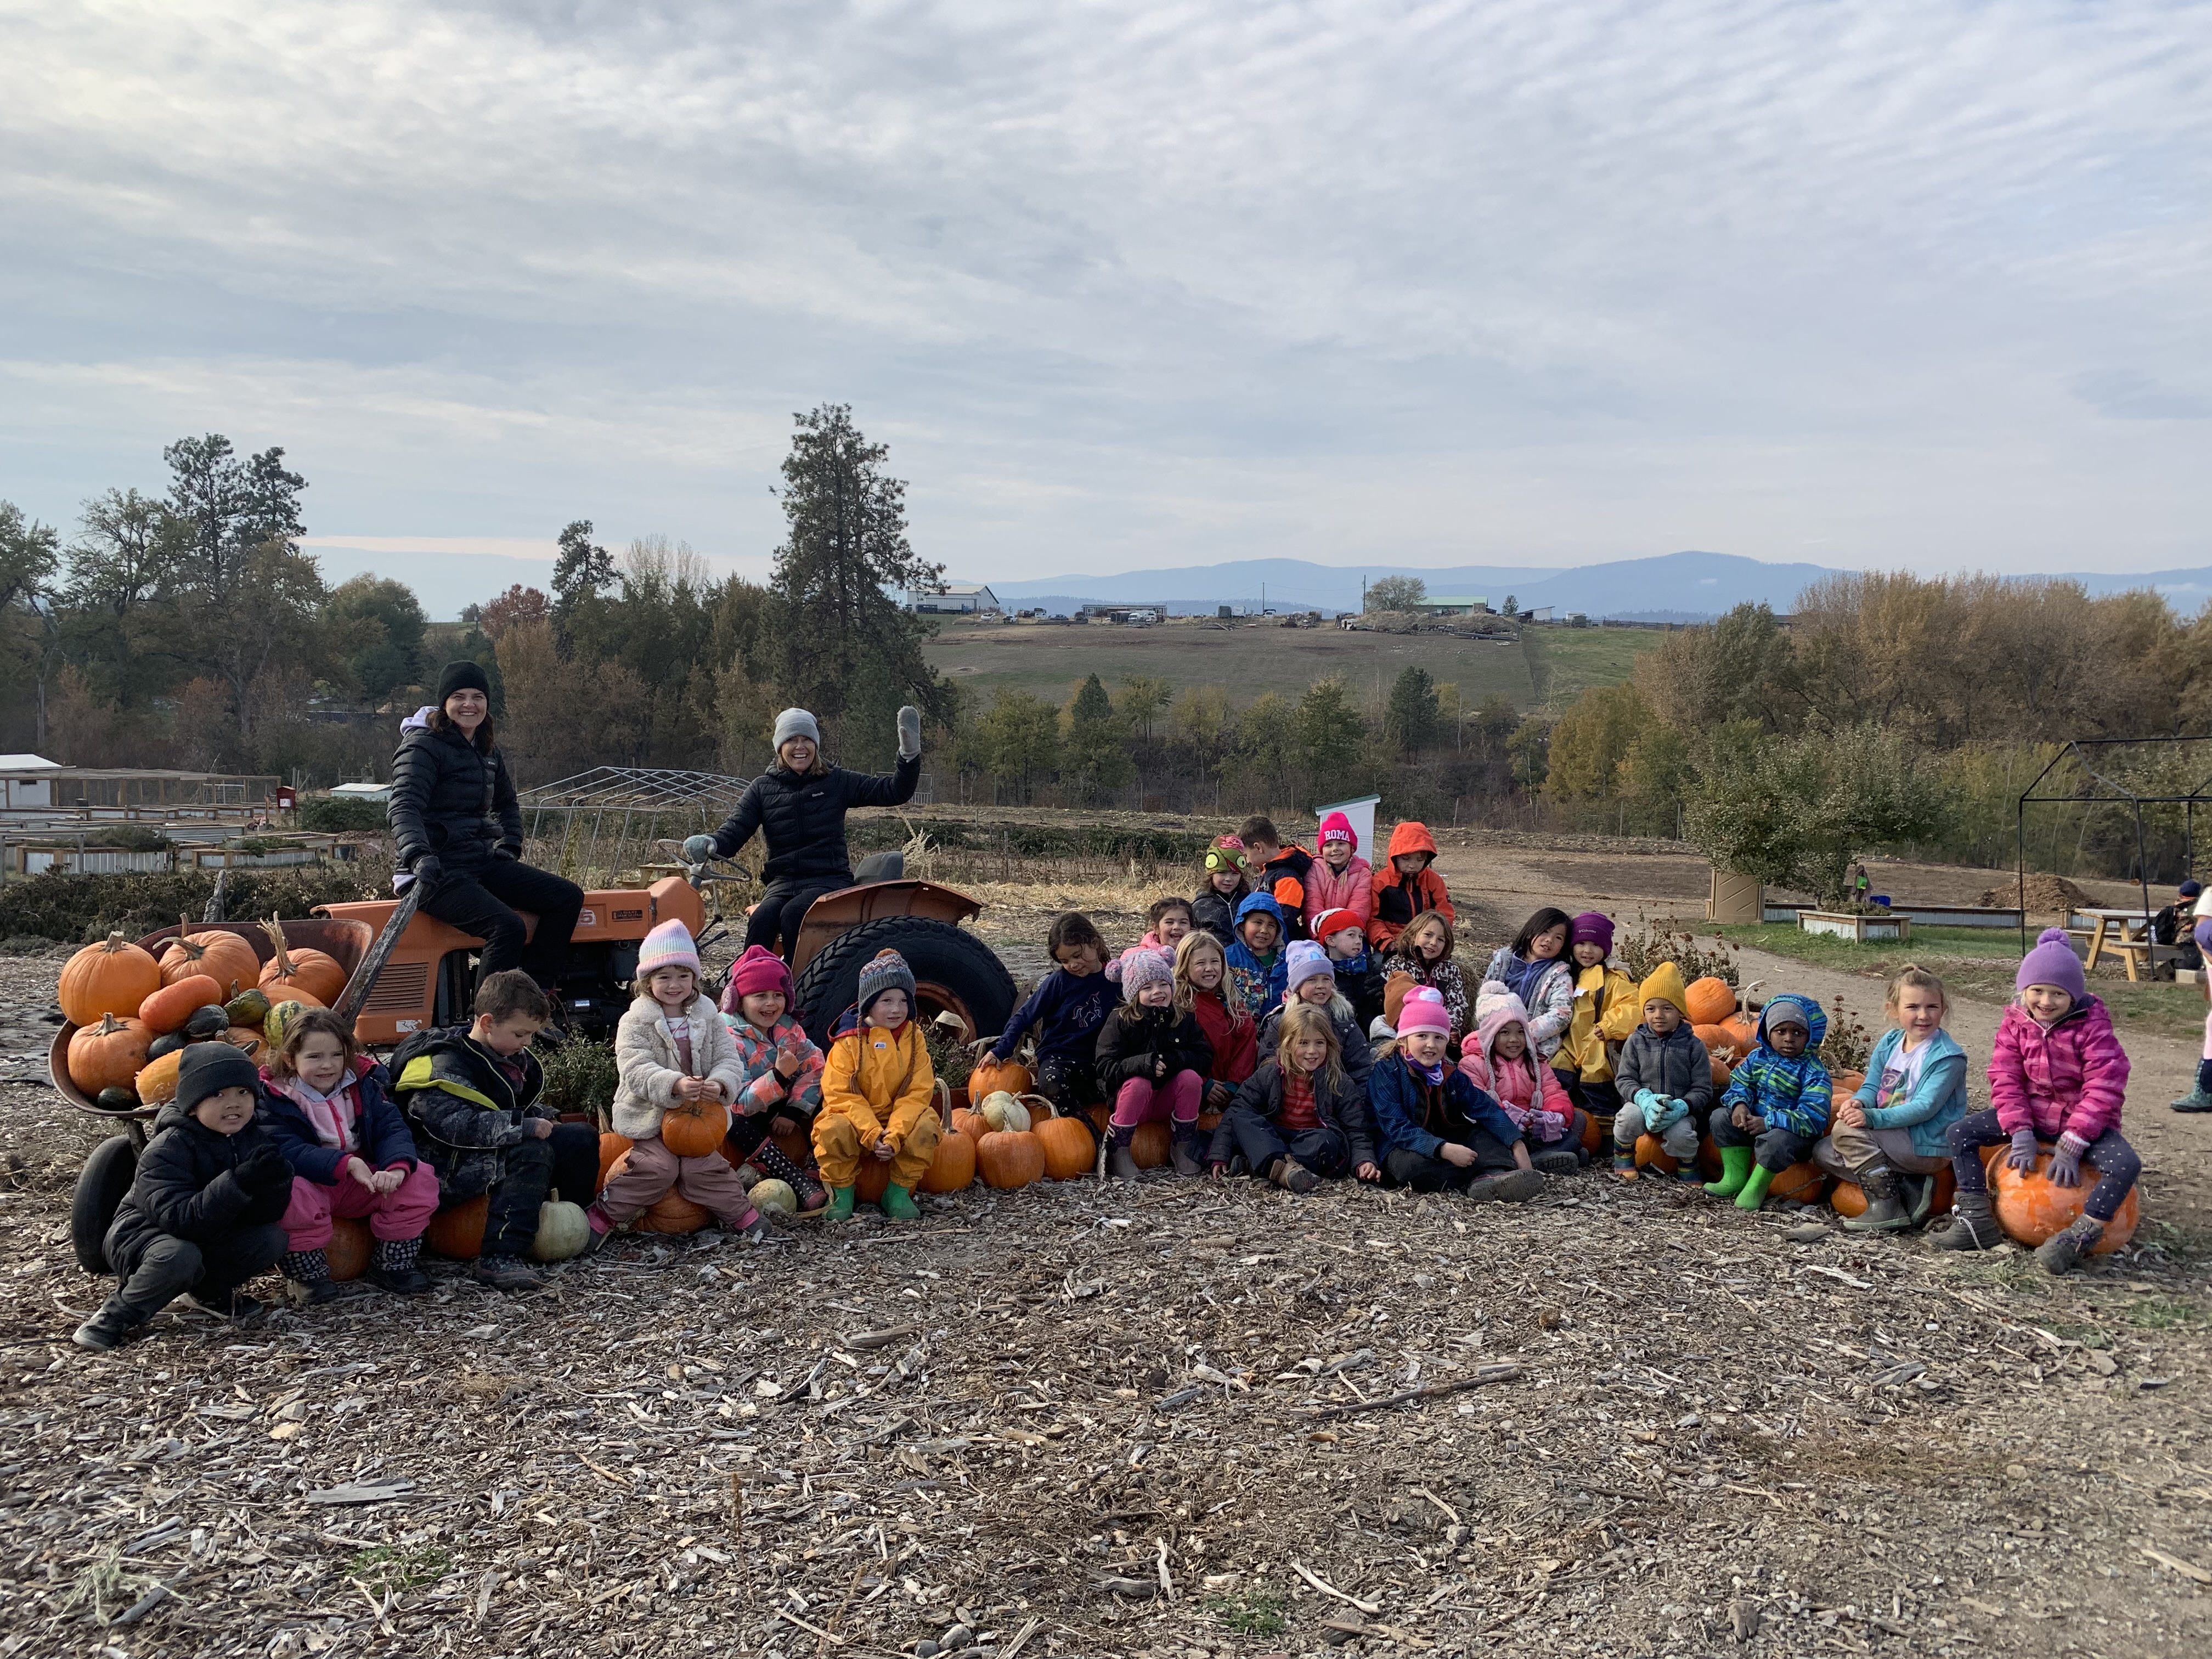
(2058, 1075)
(1607, 1013)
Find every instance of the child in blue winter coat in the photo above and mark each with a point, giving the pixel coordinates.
(1776, 1103)
(1067, 1007)
(1258, 971)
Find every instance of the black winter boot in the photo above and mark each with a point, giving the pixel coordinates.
(2062, 1252)
(391, 1266)
(106, 1329)
(309, 1272)
(1885, 1211)
(1120, 1164)
(1973, 1226)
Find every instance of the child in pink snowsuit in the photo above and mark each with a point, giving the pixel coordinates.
(1499, 1060)
(2058, 1075)
(330, 1107)
(1339, 878)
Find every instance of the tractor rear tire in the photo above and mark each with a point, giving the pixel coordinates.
(964, 972)
(99, 1192)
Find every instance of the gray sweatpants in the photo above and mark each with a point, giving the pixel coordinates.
(1679, 1142)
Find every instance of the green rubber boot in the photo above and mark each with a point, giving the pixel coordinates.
(1754, 1190)
(841, 1204)
(899, 1204)
(1735, 1170)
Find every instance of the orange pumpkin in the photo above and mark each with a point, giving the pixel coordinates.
(348, 1250)
(1719, 1068)
(992, 1075)
(169, 1008)
(1801, 1183)
(1069, 1153)
(246, 1037)
(791, 1140)
(1209, 1122)
(673, 1214)
(459, 1232)
(1847, 1198)
(1593, 1134)
(953, 1168)
(1149, 1145)
(694, 1129)
(1841, 1084)
(1006, 1158)
(969, 1123)
(223, 957)
(871, 1180)
(290, 973)
(1743, 1033)
(157, 1081)
(1715, 1037)
(1650, 1155)
(1711, 1000)
(111, 977)
(2031, 1209)
(108, 1055)
(611, 1147)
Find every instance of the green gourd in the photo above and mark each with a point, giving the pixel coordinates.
(562, 1230)
(167, 1043)
(112, 1099)
(247, 1008)
(210, 1020)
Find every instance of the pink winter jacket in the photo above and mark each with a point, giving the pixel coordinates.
(1353, 890)
(2069, 1078)
(1523, 1087)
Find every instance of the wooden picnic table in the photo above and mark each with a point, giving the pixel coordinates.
(2125, 933)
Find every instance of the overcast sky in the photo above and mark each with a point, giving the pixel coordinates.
(1552, 281)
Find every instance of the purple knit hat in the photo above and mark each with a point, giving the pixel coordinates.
(2052, 962)
(1593, 928)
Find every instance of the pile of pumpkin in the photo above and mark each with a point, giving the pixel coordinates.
(2029, 1208)
(134, 1012)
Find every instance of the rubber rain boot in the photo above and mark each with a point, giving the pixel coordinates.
(1754, 1188)
(1118, 1163)
(1885, 1211)
(1735, 1170)
(899, 1204)
(841, 1204)
(1973, 1226)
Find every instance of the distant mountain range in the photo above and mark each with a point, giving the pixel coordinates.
(1686, 587)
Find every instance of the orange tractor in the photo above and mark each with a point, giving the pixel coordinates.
(408, 972)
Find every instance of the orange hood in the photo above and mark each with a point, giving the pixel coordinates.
(1411, 838)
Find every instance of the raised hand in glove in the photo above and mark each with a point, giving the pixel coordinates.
(698, 849)
(430, 873)
(2022, 1155)
(2065, 1168)
(909, 731)
(263, 1168)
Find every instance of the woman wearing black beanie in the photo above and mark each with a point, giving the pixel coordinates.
(459, 828)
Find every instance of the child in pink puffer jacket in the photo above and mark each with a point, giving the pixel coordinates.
(1498, 1059)
(2058, 1075)
(1339, 878)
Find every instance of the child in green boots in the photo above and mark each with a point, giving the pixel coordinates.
(877, 1093)
(1776, 1103)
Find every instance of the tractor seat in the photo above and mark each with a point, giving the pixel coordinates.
(876, 867)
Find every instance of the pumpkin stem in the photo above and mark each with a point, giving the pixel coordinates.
(275, 928)
(116, 942)
(109, 1024)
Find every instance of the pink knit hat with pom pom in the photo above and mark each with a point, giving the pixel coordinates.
(1424, 1011)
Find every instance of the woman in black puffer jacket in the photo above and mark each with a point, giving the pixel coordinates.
(458, 828)
(799, 806)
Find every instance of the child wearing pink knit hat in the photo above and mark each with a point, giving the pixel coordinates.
(1437, 1130)
(779, 1071)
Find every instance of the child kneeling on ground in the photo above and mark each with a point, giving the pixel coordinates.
(877, 1093)
(1436, 1129)
(471, 1096)
(1776, 1103)
(1665, 1078)
(330, 1109)
(779, 1068)
(2058, 1074)
(205, 1209)
(1153, 1056)
(1499, 1061)
(671, 1049)
(1300, 1119)
(1897, 1125)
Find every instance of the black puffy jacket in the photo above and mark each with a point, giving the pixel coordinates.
(802, 818)
(448, 800)
(1133, 1038)
(187, 1186)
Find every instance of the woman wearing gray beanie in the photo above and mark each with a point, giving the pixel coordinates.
(798, 805)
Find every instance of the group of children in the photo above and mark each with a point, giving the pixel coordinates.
(1300, 1020)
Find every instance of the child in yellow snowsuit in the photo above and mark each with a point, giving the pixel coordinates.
(877, 1093)
(1607, 1012)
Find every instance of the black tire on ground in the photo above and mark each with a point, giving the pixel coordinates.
(951, 967)
(98, 1195)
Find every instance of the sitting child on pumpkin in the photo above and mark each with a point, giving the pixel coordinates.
(877, 1093)
(1499, 1061)
(1154, 1058)
(1665, 1078)
(673, 1054)
(779, 1068)
(1776, 1103)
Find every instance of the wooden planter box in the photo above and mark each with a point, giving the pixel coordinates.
(1857, 928)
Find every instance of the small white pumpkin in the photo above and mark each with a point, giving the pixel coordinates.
(1002, 1111)
(773, 1197)
(563, 1230)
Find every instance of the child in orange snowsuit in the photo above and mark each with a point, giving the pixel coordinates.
(878, 1090)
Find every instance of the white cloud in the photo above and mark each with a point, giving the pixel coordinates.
(1353, 280)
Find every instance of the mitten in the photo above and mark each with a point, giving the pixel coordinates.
(698, 849)
(263, 1168)
(2066, 1161)
(1647, 1103)
(909, 732)
(2022, 1155)
(1548, 1126)
(430, 873)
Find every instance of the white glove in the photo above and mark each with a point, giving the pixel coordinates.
(909, 731)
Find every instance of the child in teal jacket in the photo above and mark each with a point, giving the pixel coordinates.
(1892, 1136)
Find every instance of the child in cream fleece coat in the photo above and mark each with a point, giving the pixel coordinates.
(671, 1049)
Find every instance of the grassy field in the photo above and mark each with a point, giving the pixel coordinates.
(1979, 961)
(1547, 665)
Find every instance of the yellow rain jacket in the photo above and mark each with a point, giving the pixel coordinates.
(1606, 1009)
(877, 1084)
